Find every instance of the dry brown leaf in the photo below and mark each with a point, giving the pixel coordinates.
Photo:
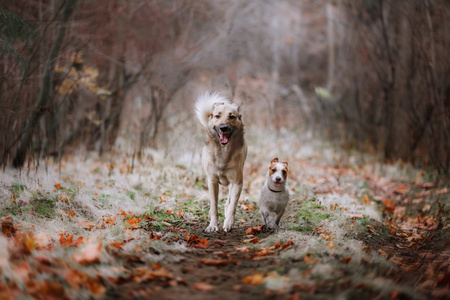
(202, 286)
(253, 241)
(8, 228)
(254, 230)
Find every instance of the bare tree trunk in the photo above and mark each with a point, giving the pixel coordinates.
(45, 95)
(331, 46)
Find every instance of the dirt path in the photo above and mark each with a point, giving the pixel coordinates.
(100, 231)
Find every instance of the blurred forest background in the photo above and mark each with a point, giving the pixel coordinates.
(371, 75)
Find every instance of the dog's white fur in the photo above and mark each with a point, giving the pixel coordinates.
(223, 155)
(274, 194)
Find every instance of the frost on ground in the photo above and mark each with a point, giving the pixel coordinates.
(117, 226)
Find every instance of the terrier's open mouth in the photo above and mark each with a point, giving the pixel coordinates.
(276, 184)
(224, 137)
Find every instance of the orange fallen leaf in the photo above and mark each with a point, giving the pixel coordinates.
(133, 223)
(246, 207)
(253, 241)
(389, 206)
(289, 243)
(264, 252)
(254, 279)
(346, 259)
(202, 286)
(253, 230)
(331, 245)
(58, 185)
(403, 189)
(216, 262)
(366, 199)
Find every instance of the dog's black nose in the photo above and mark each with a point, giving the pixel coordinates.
(278, 179)
(224, 128)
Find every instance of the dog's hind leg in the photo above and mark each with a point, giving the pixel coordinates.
(233, 197)
(213, 188)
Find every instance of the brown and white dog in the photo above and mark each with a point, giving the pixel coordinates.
(274, 194)
(223, 155)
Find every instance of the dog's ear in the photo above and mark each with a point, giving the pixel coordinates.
(275, 160)
(285, 164)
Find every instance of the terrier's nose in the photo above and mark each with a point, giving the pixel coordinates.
(224, 128)
(278, 179)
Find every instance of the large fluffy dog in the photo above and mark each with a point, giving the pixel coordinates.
(224, 153)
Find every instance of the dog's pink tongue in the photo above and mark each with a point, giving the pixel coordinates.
(223, 138)
(277, 184)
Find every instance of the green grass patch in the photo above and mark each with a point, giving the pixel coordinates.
(309, 216)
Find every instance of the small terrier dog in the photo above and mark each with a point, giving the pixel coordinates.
(274, 195)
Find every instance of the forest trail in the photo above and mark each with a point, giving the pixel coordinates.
(107, 229)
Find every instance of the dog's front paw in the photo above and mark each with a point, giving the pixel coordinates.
(228, 224)
(212, 228)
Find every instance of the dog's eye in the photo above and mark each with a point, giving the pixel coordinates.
(232, 117)
(274, 170)
(284, 172)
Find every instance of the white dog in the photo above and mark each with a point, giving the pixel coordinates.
(274, 194)
(223, 155)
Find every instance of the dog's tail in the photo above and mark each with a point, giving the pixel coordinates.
(205, 104)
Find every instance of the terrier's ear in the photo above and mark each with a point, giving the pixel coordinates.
(285, 164)
(275, 160)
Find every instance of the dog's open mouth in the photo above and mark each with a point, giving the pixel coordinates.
(276, 184)
(224, 137)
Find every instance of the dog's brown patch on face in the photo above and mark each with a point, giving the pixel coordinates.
(286, 169)
(273, 166)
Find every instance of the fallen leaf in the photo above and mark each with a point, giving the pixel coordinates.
(202, 286)
(426, 207)
(331, 245)
(253, 241)
(243, 249)
(216, 262)
(254, 230)
(403, 189)
(58, 185)
(254, 279)
(8, 228)
(366, 200)
(264, 252)
(246, 207)
(133, 222)
(389, 206)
